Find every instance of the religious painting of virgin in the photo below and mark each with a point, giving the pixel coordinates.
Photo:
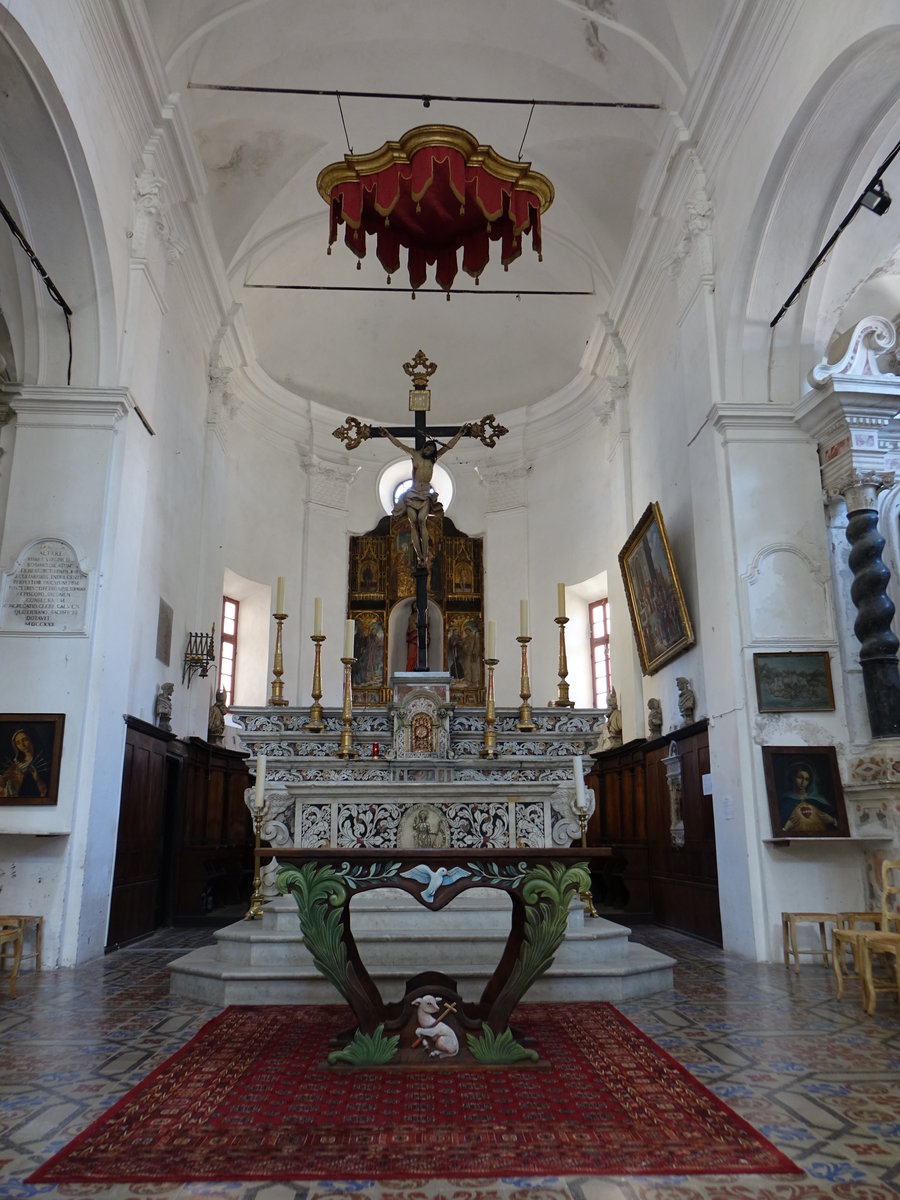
(368, 650)
(805, 794)
(659, 616)
(30, 754)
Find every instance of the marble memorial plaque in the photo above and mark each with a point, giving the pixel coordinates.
(46, 591)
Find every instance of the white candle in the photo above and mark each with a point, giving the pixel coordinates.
(349, 634)
(523, 618)
(260, 780)
(318, 621)
(279, 595)
(561, 599)
(491, 639)
(578, 771)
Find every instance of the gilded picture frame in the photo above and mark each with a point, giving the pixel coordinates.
(30, 754)
(803, 785)
(793, 681)
(659, 615)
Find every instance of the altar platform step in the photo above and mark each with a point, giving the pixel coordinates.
(266, 962)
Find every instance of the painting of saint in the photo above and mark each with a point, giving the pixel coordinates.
(30, 747)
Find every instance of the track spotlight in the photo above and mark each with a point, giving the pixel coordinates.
(876, 199)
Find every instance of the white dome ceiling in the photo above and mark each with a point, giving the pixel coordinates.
(341, 337)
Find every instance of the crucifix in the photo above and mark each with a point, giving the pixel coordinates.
(420, 501)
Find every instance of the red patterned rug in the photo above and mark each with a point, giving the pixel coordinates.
(248, 1098)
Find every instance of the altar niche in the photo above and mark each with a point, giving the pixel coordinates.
(382, 590)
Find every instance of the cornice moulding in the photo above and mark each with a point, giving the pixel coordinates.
(756, 423)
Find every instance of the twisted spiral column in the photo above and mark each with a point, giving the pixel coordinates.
(874, 609)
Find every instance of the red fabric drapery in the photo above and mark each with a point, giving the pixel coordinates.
(434, 192)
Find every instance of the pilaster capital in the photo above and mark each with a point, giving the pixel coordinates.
(328, 481)
(506, 484)
(860, 491)
(66, 407)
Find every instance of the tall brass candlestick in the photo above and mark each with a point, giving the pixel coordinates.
(489, 750)
(277, 696)
(562, 690)
(256, 900)
(316, 722)
(346, 750)
(525, 723)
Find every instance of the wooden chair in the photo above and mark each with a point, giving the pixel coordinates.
(882, 939)
(12, 933)
(789, 922)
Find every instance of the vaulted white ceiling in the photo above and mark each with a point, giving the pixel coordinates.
(263, 152)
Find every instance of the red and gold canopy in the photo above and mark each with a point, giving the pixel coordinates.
(433, 192)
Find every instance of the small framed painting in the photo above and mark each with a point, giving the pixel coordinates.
(30, 754)
(805, 794)
(662, 627)
(794, 681)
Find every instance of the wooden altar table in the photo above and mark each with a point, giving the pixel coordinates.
(540, 883)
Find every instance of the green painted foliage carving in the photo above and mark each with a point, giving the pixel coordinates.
(498, 1048)
(367, 1049)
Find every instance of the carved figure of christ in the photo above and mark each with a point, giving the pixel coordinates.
(420, 501)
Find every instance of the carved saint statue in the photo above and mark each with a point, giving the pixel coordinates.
(686, 700)
(215, 732)
(164, 706)
(654, 718)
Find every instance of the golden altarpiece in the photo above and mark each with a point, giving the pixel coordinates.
(382, 591)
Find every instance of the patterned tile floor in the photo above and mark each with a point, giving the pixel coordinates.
(813, 1074)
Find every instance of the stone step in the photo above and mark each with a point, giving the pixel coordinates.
(424, 946)
(203, 976)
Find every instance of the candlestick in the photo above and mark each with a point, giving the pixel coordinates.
(256, 899)
(316, 722)
(561, 599)
(346, 748)
(349, 635)
(317, 624)
(260, 796)
(523, 618)
(525, 723)
(277, 696)
(578, 772)
(279, 595)
(562, 688)
(489, 750)
(491, 639)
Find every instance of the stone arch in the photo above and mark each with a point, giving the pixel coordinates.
(46, 185)
(840, 133)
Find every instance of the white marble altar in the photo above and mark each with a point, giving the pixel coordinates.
(424, 787)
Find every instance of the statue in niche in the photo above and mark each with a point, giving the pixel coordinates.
(412, 638)
(420, 500)
(164, 706)
(686, 700)
(215, 729)
(654, 718)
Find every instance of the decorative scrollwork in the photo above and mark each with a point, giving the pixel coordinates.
(353, 433)
(487, 430)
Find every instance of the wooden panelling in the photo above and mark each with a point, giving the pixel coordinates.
(136, 893)
(675, 886)
(185, 840)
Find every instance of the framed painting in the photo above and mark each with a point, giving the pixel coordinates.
(662, 627)
(805, 794)
(30, 753)
(794, 681)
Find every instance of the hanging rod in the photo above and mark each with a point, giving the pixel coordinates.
(425, 98)
(402, 289)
